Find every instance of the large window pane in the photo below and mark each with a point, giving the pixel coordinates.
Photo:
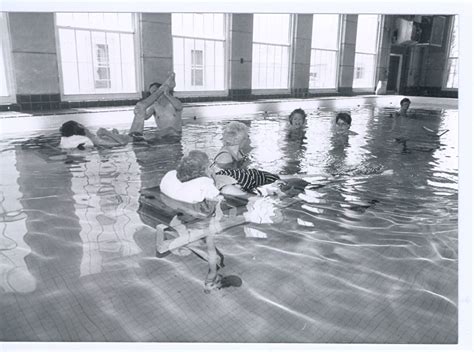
(452, 79)
(127, 62)
(271, 29)
(198, 51)
(96, 20)
(5, 90)
(93, 61)
(364, 69)
(270, 53)
(367, 28)
(323, 69)
(366, 49)
(325, 32)
(3, 74)
(325, 51)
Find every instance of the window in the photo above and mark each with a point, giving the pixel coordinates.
(102, 67)
(324, 52)
(365, 52)
(271, 51)
(3, 72)
(97, 53)
(452, 79)
(197, 68)
(199, 51)
(6, 82)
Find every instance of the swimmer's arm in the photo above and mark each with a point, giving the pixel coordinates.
(149, 112)
(108, 138)
(232, 190)
(95, 140)
(175, 102)
(223, 159)
(394, 123)
(100, 142)
(143, 111)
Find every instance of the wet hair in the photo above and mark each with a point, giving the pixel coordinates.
(158, 85)
(234, 133)
(192, 166)
(405, 100)
(344, 116)
(72, 128)
(297, 111)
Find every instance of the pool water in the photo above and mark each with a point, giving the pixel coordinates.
(367, 254)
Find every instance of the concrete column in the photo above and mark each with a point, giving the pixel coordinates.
(240, 58)
(383, 59)
(346, 62)
(34, 53)
(156, 47)
(301, 55)
(435, 59)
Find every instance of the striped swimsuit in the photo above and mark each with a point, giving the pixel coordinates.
(249, 179)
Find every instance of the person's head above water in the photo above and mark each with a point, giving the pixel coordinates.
(236, 134)
(154, 86)
(405, 104)
(72, 128)
(194, 165)
(297, 117)
(343, 119)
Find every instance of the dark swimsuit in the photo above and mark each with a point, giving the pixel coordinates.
(234, 164)
(249, 179)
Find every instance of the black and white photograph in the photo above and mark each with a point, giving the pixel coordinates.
(234, 175)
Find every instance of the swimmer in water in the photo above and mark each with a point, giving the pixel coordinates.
(343, 123)
(75, 136)
(297, 119)
(165, 108)
(236, 146)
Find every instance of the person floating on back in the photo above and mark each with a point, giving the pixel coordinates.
(75, 136)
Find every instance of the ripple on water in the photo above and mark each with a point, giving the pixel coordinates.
(368, 253)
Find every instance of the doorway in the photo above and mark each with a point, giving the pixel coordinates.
(394, 73)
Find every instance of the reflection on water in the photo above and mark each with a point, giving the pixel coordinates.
(105, 203)
(367, 252)
(14, 273)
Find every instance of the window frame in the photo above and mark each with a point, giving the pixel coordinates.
(103, 95)
(291, 32)
(446, 65)
(378, 42)
(338, 59)
(8, 63)
(226, 41)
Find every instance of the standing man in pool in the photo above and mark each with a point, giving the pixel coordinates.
(163, 106)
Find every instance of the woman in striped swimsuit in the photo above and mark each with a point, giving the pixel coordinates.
(233, 153)
(229, 163)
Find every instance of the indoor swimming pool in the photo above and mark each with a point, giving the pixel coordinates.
(368, 253)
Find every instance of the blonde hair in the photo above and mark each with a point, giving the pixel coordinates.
(234, 133)
(192, 166)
